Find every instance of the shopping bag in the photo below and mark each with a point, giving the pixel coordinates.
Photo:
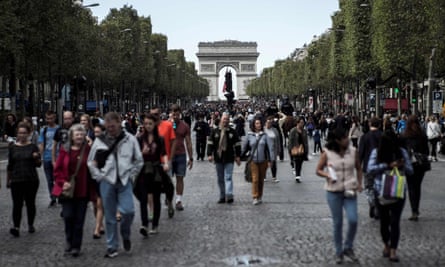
(393, 186)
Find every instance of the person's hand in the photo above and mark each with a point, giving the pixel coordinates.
(66, 186)
(359, 188)
(238, 161)
(190, 164)
(36, 155)
(210, 158)
(165, 167)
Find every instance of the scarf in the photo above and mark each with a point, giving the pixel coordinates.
(222, 142)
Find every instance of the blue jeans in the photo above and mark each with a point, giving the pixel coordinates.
(224, 172)
(337, 202)
(117, 197)
(49, 170)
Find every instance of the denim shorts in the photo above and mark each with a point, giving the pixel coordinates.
(179, 165)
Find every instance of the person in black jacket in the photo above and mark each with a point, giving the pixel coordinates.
(202, 130)
(224, 148)
(367, 143)
(415, 141)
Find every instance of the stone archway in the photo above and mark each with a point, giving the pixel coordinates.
(215, 56)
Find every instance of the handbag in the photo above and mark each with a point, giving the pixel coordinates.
(69, 193)
(247, 169)
(421, 160)
(393, 187)
(297, 150)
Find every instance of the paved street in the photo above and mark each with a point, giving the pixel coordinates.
(291, 228)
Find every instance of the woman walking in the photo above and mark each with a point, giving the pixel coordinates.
(340, 165)
(416, 142)
(22, 177)
(433, 133)
(355, 131)
(72, 162)
(389, 154)
(297, 137)
(274, 135)
(151, 180)
(262, 151)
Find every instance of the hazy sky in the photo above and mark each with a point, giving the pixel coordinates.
(278, 26)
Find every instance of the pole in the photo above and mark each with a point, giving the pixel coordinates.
(430, 85)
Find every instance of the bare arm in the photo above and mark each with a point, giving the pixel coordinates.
(188, 143)
(53, 152)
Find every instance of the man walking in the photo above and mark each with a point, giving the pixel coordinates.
(120, 167)
(45, 142)
(179, 162)
(224, 147)
(61, 135)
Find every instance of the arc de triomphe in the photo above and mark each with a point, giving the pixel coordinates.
(241, 56)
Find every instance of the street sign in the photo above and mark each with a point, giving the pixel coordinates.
(437, 101)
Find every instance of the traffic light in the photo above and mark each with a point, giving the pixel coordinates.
(396, 90)
(414, 96)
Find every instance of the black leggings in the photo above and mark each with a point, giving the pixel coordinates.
(145, 187)
(390, 222)
(297, 163)
(24, 191)
(415, 188)
(273, 168)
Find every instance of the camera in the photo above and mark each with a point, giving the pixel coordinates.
(350, 193)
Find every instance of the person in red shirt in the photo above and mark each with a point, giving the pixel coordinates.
(74, 209)
(179, 157)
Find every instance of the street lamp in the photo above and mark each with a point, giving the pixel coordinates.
(80, 4)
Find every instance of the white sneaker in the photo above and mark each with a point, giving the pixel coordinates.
(313, 154)
(293, 171)
(275, 180)
(255, 201)
(266, 180)
(298, 179)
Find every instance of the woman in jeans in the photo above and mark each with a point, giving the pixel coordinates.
(22, 177)
(339, 164)
(415, 141)
(261, 157)
(385, 157)
(74, 209)
(297, 136)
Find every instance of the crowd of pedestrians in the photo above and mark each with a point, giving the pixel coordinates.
(109, 160)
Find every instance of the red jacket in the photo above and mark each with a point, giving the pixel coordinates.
(85, 186)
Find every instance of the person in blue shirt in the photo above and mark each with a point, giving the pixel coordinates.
(45, 142)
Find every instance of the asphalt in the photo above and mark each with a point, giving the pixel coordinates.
(292, 227)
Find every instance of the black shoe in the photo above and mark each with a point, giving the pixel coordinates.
(179, 206)
(52, 203)
(14, 231)
(350, 254)
(96, 236)
(171, 212)
(75, 252)
(339, 259)
(221, 201)
(127, 245)
(371, 212)
(111, 253)
(143, 231)
(68, 248)
(31, 229)
(230, 200)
